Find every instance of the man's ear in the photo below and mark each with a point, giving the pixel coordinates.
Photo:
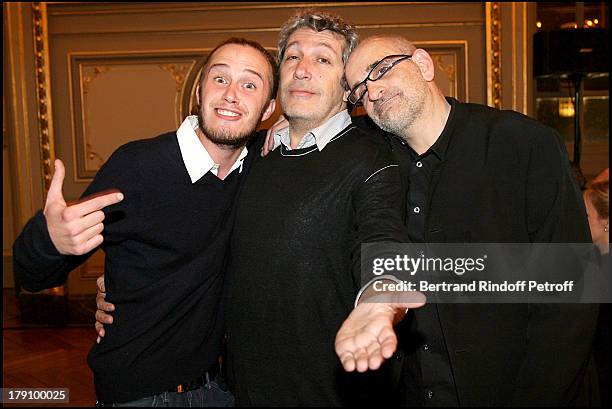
(425, 63)
(198, 95)
(345, 96)
(269, 110)
(344, 83)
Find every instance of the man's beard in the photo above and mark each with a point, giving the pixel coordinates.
(407, 112)
(295, 115)
(226, 137)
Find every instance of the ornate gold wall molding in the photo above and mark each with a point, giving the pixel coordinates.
(187, 98)
(493, 50)
(178, 72)
(521, 60)
(88, 79)
(43, 86)
(448, 69)
(17, 115)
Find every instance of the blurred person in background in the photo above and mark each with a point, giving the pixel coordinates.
(597, 202)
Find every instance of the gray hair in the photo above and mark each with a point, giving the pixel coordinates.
(319, 21)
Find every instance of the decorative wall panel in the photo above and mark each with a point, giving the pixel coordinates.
(115, 97)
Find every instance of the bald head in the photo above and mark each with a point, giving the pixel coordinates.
(395, 81)
(390, 42)
(372, 50)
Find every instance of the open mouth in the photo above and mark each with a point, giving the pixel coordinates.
(227, 114)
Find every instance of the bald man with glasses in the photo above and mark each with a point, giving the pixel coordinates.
(377, 70)
(476, 175)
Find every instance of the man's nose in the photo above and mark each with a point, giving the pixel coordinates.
(302, 70)
(375, 91)
(231, 95)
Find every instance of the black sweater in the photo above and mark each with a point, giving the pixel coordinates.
(295, 269)
(166, 246)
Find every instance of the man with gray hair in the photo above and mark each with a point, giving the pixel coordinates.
(304, 211)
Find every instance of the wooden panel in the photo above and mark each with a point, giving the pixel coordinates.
(115, 97)
(248, 18)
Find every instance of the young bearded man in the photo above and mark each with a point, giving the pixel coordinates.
(165, 238)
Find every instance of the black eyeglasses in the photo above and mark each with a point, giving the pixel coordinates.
(376, 73)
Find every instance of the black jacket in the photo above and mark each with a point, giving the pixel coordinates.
(505, 178)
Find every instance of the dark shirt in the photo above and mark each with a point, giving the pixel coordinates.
(422, 168)
(438, 383)
(165, 245)
(295, 268)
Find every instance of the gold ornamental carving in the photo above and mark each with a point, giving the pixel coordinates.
(43, 88)
(88, 79)
(179, 72)
(449, 70)
(89, 76)
(493, 24)
(92, 155)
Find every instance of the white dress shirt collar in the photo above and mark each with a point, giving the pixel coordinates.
(319, 136)
(196, 158)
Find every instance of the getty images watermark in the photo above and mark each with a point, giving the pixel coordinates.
(486, 273)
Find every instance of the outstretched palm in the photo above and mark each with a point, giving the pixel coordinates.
(367, 337)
